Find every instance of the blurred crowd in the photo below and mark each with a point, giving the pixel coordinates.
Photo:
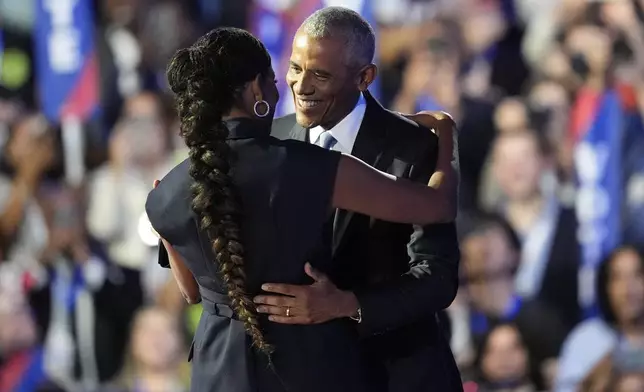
(84, 306)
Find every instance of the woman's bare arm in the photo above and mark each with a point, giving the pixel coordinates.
(445, 178)
(361, 188)
(185, 280)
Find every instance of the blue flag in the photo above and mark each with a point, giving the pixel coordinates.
(66, 61)
(598, 159)
(276, 27)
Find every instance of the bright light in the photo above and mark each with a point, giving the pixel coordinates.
(146, 232)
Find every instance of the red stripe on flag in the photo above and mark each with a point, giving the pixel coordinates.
(84, 97)
(13, 370)
(583, 112)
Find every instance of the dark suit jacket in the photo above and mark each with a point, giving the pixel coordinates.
(400, 283)
(560, 285)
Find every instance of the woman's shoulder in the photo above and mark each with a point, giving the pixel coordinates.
(168, 205)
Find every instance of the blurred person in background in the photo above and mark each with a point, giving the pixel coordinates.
(155, 359)
(139, 153)
(503, 362)
(82, 303)
(620, 293)
(550, 255)
(589, 48)
(491, 254)
(21, 356)
(511, 115)
(29, 153)
(552, 102)
(620, 371)
(431, 79)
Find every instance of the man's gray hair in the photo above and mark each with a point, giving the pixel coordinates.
(344, 23)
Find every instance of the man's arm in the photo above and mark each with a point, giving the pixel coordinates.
(432, 280)
(430, 285)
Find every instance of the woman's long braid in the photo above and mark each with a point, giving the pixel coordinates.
(215, 201)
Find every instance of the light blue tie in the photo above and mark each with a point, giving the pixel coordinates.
(326, 140)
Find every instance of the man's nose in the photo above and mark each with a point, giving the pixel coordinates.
(303, 85)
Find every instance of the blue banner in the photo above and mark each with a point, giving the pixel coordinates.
(598, 158)
(66, 60)
(276, 27)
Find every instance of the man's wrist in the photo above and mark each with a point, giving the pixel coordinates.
(349, 306)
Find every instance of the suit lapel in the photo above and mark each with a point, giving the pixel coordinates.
(368, 147)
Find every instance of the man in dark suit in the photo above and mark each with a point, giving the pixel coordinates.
(393, 287)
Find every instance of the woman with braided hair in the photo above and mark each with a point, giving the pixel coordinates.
(246, 208)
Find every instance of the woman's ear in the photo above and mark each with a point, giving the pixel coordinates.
(256, 88)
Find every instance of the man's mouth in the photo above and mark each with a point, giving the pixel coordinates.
(307, 103)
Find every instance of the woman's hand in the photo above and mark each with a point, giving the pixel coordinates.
(445, 176)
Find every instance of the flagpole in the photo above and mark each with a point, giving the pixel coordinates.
(74, 150)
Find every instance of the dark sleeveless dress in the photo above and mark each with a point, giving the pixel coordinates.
(286, 189)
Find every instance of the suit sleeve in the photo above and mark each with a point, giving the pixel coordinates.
(432, 280)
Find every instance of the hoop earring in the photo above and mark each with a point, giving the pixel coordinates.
(261, 102)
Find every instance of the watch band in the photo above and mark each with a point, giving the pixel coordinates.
(358, 317)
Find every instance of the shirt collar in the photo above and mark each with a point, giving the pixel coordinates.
(346, 131)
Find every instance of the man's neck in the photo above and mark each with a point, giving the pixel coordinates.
(522, 213)
(344, 113)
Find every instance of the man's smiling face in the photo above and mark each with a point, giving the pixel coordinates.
(324, 87)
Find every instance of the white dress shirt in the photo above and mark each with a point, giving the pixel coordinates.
(346, 131)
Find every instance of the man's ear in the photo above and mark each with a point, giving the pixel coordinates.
(366, 76)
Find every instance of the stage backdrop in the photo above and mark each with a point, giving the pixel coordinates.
(275, 23)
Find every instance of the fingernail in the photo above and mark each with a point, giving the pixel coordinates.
(266, 287)
(271, 318)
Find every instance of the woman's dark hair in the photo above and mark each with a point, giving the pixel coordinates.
(601, 282)
(207, 79)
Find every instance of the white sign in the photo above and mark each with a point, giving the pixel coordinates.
(63, 46)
